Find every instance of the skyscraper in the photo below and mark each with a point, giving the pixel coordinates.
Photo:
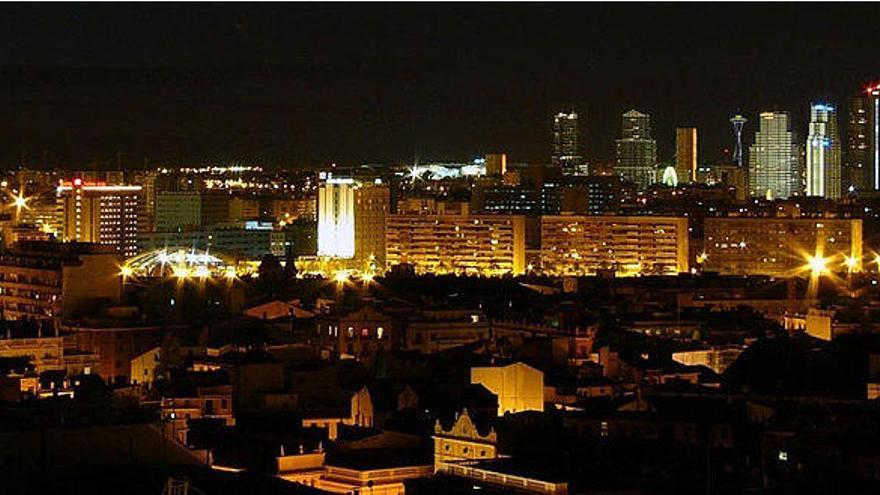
(774, 164)
(823, 152)
(336, 218)
(636, 151)
(738, 122)
(686, 154)
(566, 146)
(863, 140)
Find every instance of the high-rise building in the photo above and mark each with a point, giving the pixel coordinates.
(863, 140)
(738, 122)
(104, 214)
(372, 205)
(774, 162)
(351, 220)
(566, 143)
(336, 218)
(686, 154)
(823, 152)
(496, 164)
(636, 151)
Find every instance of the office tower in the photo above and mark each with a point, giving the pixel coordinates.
(778, 246)
(336, 218)
(496, 164)
(566, 145)
(624, 245)
(104, 214)
(738, 122)
(863, 140)
(686, 154)
(636, 151)
(491, 245)
(774, 163)
(823, 153)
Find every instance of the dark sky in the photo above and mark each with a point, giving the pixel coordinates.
(301, 84)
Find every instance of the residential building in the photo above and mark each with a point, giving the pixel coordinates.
(472, 244)
(519, 387)
(779, 246)
(49, 280)
(625, 245)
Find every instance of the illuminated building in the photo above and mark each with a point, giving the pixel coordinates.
(372, 202)
(462, 442)
(496, 164)
(823, 153)
(45, 281)
(249, 240)
(686, 154)
(431, 206)
(625, 245)
(512, 200)
(636, 151)
(102, 214)
(738, 122)
(566, 143)
(241, 209)
(470, 244)
(519, 387)
(288, 210)
(863, 140)
(180, 262)
(774, 165)
(778, 246)
(336, 218)
(48, 353)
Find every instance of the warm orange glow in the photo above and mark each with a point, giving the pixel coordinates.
(851, 263)
(341, 277)
(126, 271)
(817, 264)
(181, 272)
(19, 201)
(367, 278)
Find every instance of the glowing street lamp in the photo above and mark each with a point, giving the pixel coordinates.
(817, 264)
(126, 271)
(851, 263)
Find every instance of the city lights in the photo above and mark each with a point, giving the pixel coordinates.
(817, 265)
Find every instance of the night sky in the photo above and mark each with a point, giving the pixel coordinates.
(293, 84)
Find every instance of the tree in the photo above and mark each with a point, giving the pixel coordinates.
(271, 275)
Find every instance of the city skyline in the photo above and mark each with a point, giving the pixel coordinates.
(276, 98)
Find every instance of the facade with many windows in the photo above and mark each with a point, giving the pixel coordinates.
(779, 246)
(625, 245)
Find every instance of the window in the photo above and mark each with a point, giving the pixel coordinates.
(379, 332)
